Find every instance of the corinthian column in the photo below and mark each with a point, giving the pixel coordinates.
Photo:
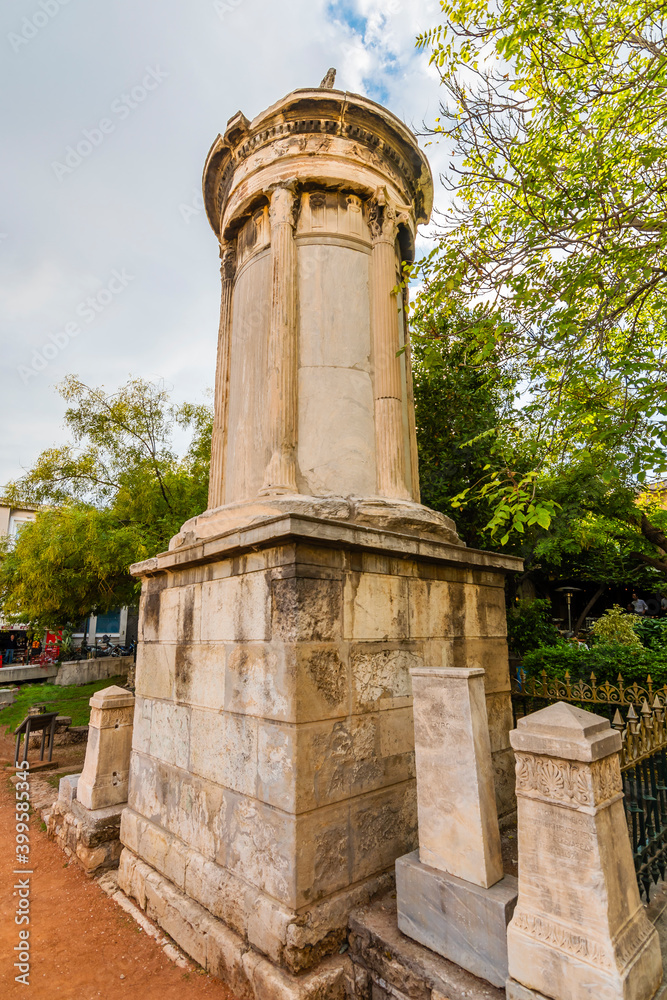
(389, 440)
(218, 442)
(280, 476)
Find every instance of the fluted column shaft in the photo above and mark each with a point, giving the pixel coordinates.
(387, 387)
(216, 487)
(280, 474)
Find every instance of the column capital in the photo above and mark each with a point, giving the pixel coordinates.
(227, 259)
(284, 203)
(384, 217)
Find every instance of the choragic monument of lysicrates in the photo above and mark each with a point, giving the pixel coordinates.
(272, 772)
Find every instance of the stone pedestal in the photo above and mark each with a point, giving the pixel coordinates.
(579, 929)
(452, 896)
(272, 775)
(85, 819)
(92, 836)
(104, 778)
(458, 819)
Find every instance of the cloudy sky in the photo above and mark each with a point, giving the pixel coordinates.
(109, 267)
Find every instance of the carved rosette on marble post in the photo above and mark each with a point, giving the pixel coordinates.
(216, 495)
(388, 388)
(280, 476)
(579, 929)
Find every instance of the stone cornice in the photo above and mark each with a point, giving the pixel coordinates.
(328, 115)
(286, 527)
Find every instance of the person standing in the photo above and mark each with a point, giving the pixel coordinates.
(639, 606)
(9, 651)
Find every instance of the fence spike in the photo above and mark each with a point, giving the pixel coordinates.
(617, 721)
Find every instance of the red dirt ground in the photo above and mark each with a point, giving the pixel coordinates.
(81, 941)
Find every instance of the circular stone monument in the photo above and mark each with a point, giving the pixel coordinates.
(315, 204)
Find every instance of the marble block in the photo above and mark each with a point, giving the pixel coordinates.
(458, 819)
(457, 919)
(579, 929)
(104, 779)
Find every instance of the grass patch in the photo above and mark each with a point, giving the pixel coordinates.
(72, 701)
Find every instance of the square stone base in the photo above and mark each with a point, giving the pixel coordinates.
(92, 836)
(218, 949)
(459, 920)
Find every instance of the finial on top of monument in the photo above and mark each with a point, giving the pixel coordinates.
(329, 80)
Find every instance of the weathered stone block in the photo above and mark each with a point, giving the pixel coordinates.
(376, 607)
(457, 919)
(321, 679)
(170, 733)
(223, 749)
(236, 609)
(381, 675)
(141, 730)
(224, 959)
(199, 675)
(436, 609)
(258, 843)
(180, 614)
(156, 670)
(380, 823)
(181, 803)
(484, 611)
(220, 892)
(307, 609)
(500, 721)
(324, 854)
(261, 681)
(488, 653)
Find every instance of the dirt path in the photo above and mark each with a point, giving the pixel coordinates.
(82, 945)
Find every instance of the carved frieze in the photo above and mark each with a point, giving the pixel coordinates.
(568, 782)
(563, 938)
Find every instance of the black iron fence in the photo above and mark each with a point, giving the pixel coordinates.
(643, 729)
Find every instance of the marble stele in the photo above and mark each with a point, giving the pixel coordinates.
(579, 929)
(272, 774)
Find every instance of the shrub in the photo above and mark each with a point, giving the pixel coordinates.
(617, 627)
(605, 660)
(529, 625)
(652, 632)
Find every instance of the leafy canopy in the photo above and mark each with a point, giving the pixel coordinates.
(112, 496)
(551, 259)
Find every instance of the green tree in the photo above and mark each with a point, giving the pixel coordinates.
(114, 495)
(552, 254)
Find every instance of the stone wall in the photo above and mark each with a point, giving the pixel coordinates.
(75, 672)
